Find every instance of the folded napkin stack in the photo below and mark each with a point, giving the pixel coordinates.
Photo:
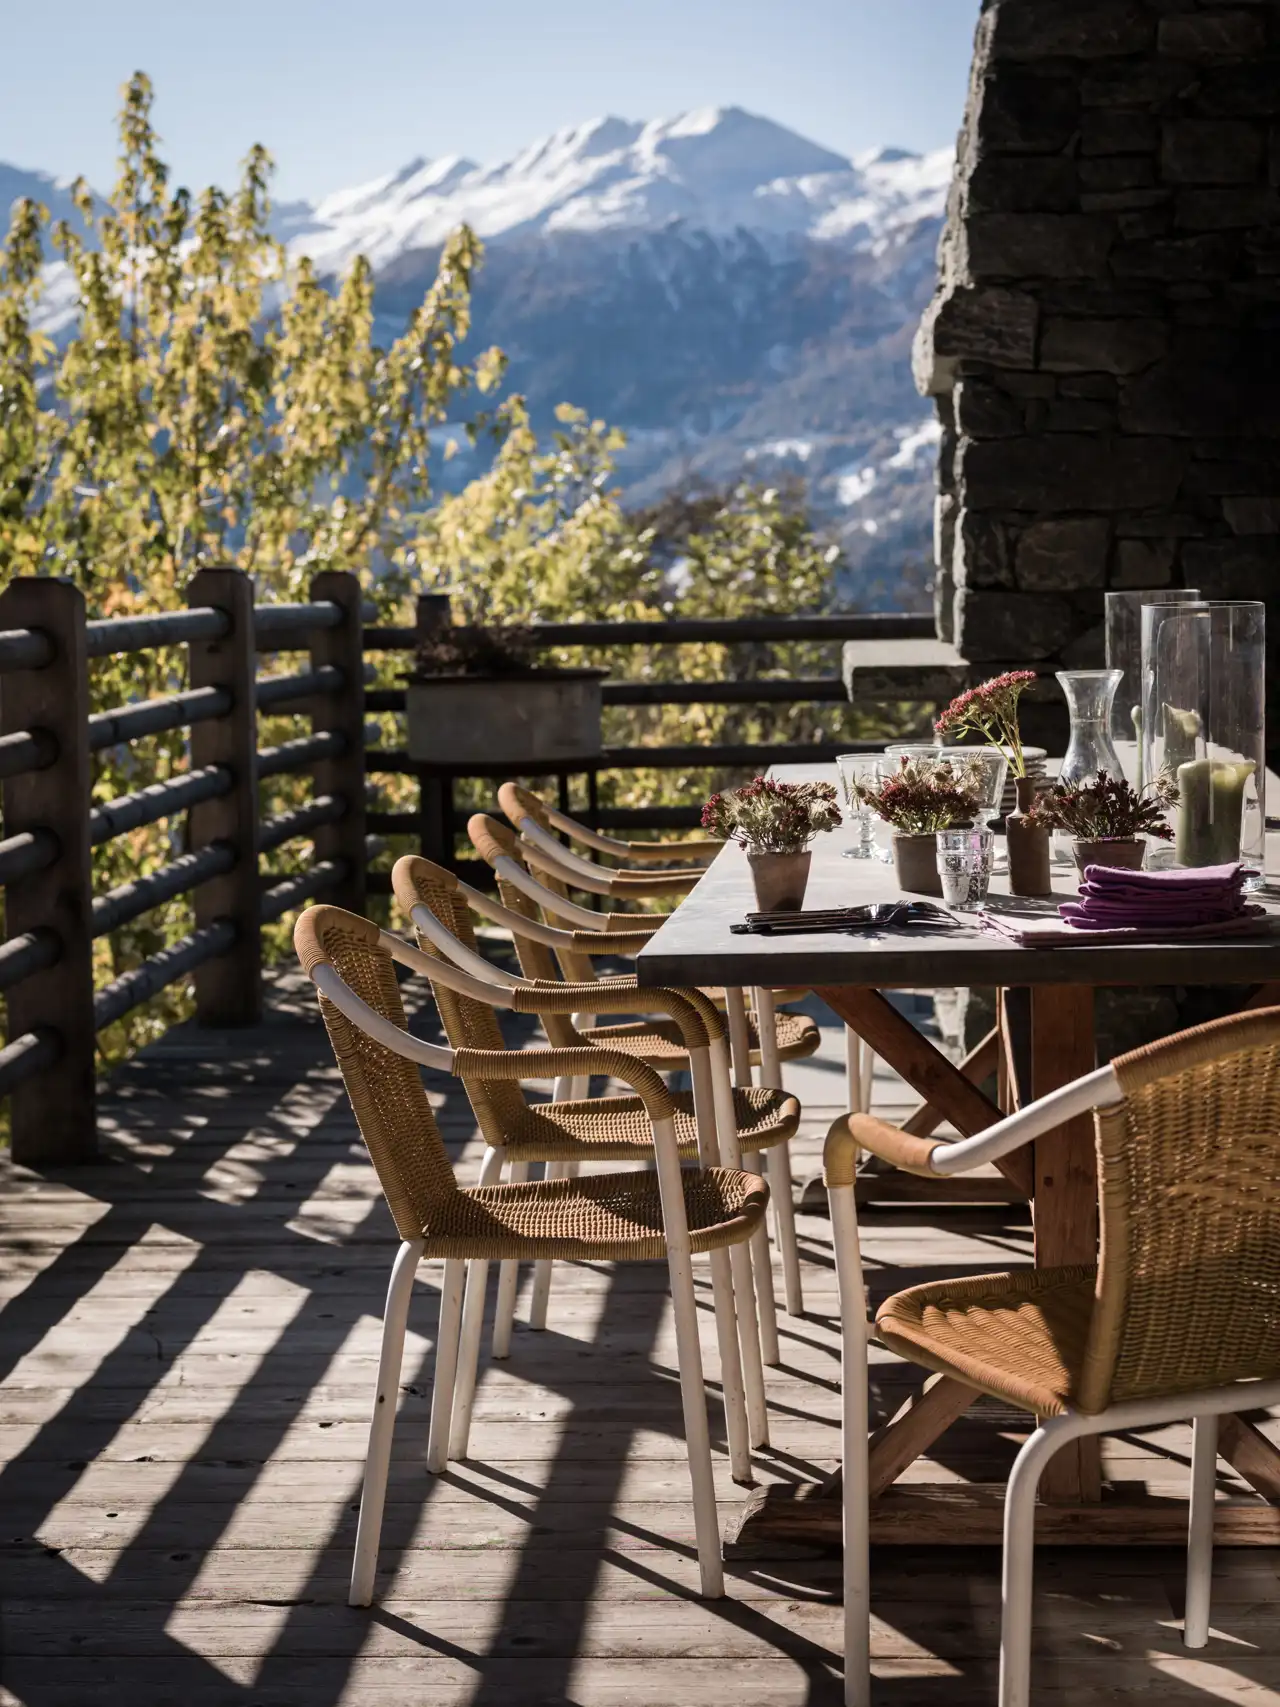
(1153, 901)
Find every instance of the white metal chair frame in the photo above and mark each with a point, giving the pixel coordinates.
(1095, 1090)
(777, 1166)
(449, 1347)
(739, 1334)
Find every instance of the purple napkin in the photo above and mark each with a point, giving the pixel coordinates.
(1095, 918)
(1112, 899)
(1172, 888)
(1055, 933)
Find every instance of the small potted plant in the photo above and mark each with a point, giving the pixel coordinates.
(775, 822)
(1107, 819)
(922, 797)
(991, 712)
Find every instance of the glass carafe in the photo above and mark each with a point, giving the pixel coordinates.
(1090, 694)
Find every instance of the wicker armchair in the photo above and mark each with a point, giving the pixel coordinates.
(765, 1039)
(714, 1122)
(529, 816)
(1180, 1319)
(699, 852)
(639, 1216)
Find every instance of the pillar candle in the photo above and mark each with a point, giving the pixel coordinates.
(1210, 810)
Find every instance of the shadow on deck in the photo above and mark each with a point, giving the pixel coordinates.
(189, 1340)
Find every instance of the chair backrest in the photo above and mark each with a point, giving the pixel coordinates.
(491, 840)
(1188, 1289)
(518, 802)
(386, 1091)
(468, 1022)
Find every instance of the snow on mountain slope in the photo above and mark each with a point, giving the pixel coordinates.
(718, 170)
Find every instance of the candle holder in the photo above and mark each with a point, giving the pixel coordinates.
(1124, 653)
(1203, 723)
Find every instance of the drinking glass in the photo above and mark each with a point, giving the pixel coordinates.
(983, 768)
(855, 768)
(965, 859)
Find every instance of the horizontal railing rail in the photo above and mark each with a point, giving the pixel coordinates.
(221, 834)
(683, 631)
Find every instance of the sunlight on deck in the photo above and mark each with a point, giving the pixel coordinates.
(191, 1334)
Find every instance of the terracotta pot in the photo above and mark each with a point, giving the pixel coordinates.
(1128, 854)
(1028, 844)
(780, 880)
(915, 860)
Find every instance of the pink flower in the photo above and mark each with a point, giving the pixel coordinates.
(991, 710)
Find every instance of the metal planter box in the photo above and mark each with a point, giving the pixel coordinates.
(534, 717)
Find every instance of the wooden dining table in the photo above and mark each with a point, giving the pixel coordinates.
(1045, 1040)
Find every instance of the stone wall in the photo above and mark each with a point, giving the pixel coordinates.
(1104, 346)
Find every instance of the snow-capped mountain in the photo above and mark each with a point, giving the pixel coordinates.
(735, 297)
(16, 183)
(717, 170)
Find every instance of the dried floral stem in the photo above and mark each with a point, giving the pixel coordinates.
(991, 710)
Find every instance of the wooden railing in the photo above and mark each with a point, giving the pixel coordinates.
(52, 825)
(437, 822)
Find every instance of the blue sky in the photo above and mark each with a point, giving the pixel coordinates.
(341, 92)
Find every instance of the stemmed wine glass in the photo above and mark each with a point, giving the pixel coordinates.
(855, 768)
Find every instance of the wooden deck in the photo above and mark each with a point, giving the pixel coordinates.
(189, 1335)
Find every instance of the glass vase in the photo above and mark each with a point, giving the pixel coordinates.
(1090, 695)
(1203, 724)
(1124, 653)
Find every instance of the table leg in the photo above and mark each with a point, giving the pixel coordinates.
(925, 1068)
(1066, 1188)
(979, 1064)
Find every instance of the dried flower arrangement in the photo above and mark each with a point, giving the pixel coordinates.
(1108, 809)
(476, 650)
(923, 796)
(991, 711)
(773, 817)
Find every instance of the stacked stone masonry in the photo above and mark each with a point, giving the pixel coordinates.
(1104, 345)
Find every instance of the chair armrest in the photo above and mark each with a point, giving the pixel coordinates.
(652, 884)
(518, 1064)
(853, 1132)
(696, 1017)
(639, 923)
(608, 942)
(649, 853)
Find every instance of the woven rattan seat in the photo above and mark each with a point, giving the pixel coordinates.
(600, 1218)
(659, 1042)
(605, 1129)
(1020, 1336)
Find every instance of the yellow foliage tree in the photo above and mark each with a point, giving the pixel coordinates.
(216, 404)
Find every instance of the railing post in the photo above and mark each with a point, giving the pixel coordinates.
(228, 988)
(344, 712)
(435, 791)
(53, 1114)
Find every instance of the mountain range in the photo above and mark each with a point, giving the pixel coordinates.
(734, 296)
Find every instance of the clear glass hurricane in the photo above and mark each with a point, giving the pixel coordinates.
(1204, 725)
(1124, 653)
